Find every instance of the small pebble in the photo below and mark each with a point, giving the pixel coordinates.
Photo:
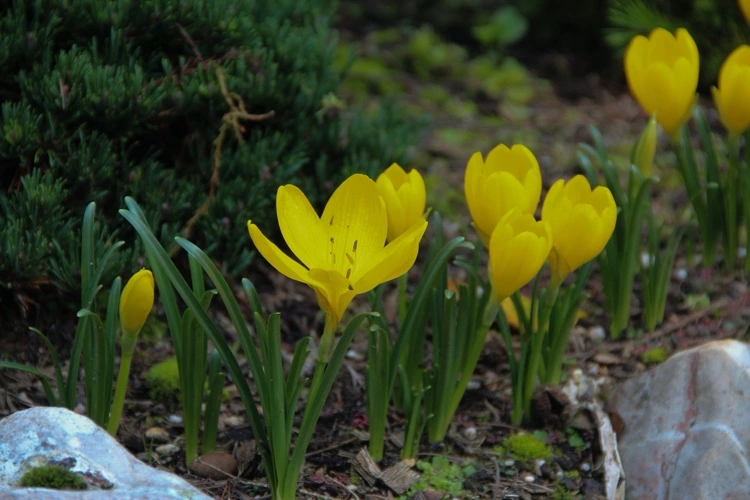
(166, 450)
(576, 375)
(585, 467)
(529, 479)
(597, 333)
(157, 435)
(646, 259)
(175, 419)
(681, 274)
(214, 465)
(470, 433)
(356, 356)
(234, 421)
(473, 385)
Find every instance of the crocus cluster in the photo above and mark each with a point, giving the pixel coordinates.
(662, 72)
(502, 193)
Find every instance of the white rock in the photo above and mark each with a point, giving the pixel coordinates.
(41, 435)
(685, 425)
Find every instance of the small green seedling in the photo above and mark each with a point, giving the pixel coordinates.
(442, 476)
(54, 477)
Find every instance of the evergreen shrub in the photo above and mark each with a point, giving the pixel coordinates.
(198, 109)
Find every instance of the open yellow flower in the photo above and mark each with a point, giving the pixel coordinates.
(136, 302)
(582, 222)
(732, 96)
(509, 178)
(662, 72)
(405, 198)
(343, 252)
(518, 248)
(745, 8)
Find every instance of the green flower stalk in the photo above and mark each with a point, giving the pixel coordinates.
(136, 302)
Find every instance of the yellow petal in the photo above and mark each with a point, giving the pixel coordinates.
(333, 291)
(136, 302)
(581, 220)
(518, 248)
(394, 207)
(392, 261)
(300, 226)
(745, 8)
(278, 259)
(396, 174)
(732, 97)
(662, 73)
(356, 221)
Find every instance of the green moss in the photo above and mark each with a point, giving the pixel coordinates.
(52, 476)
(163, 381)
(655, 355)
(526, 447)
(443, 476)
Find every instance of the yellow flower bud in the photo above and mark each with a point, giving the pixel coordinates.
(509, 178)
(662, 72)
(405, 198)
(645, 149)
(136, 302)
(732, 95)
(745, 8)
(519, 246)
(582, 222)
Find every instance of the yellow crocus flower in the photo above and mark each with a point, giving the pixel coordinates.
(745, 8)
(343, 252)
(662, 72)
(405, 198)
(136, 302)
(519, 246)
(732, 95)
(582, 222)
(509, 178)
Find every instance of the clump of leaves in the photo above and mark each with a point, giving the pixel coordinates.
(52, 476)
(526, 447)
(443, 476)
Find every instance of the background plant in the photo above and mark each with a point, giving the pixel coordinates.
(105, 99)
(717, 26)
(94, 341)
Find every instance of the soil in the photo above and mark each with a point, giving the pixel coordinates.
(705, 303)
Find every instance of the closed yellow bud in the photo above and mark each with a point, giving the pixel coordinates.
(405, 198)
(136, 302)
(745, 8)
(519, 246)
(662, 72)
(582, 222)
(732, 95)
(509, 178)
(645, 149)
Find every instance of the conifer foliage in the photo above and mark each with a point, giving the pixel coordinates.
(198, 109)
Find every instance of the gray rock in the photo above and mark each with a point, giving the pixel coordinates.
(42, 436)
(686, 432)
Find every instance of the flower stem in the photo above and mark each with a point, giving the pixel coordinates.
(537, 344)
(128, 346)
